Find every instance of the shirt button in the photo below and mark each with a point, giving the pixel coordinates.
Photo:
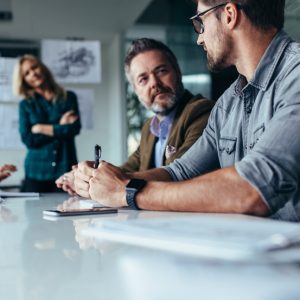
(54, 151)
(53, 164)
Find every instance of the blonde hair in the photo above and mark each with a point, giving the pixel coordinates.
(21, 88)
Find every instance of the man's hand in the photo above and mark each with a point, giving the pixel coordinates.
(68, 117)
(108, 185)
(82, 176)
(66, 182)
(6, 170)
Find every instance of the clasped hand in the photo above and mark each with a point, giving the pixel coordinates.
(106, 184)
(6, 170)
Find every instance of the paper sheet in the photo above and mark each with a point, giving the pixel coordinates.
(6, 73)
(9, 127)
(5, 194)
(230, 238)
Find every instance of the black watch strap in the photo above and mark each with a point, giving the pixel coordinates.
(132, 188)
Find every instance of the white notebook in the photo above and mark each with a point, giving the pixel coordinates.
(215, 236)
(18, 194)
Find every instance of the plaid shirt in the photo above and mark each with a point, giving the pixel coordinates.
(48, 157)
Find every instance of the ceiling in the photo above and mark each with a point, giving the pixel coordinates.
(99, 19)
(177, 12)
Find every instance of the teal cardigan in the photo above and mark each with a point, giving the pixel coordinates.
(48, 157)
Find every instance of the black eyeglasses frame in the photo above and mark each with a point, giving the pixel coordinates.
(196, 20)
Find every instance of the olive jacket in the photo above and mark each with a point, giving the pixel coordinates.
(189, 122)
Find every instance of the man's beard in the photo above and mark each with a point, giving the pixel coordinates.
(167, 107)
(219, 63)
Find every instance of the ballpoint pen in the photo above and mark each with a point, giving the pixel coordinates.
(97, 155)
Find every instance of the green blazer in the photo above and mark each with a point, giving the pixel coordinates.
(188, 124)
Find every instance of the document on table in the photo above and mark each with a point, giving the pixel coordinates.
(215, 236)
(18, 194)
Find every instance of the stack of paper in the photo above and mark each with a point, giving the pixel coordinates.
(217, 236)
(17, 194)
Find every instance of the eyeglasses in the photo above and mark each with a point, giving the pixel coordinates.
(197, 21)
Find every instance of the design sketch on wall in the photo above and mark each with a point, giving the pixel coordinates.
(6, 73)
(76, 63)
(9, 127)
(73, 61)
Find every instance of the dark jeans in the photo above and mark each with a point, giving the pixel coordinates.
(39, 186)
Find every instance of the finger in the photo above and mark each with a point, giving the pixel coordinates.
(3, 176)
(8, 167)
(59, 180)
(85, 168)
(80, 184)
(83, 193)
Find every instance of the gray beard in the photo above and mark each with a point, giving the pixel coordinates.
(163, 111)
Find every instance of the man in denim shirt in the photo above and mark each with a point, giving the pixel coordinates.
(247, 160)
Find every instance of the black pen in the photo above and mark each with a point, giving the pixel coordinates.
(97, 155)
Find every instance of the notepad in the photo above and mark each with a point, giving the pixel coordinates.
(18, 194)
(214, 236)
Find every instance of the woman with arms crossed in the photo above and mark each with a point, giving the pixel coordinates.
(48, 122)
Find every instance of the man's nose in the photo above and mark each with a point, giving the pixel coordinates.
(200, 40)
(154, 81)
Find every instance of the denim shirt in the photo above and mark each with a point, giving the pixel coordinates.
(255, 126)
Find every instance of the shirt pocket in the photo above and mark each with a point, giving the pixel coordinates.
(227, 147)
(257, 133)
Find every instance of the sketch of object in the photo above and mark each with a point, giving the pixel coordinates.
(75, 63)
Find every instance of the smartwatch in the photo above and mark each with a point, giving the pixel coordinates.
(132, 188)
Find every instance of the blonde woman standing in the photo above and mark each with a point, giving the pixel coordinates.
(49, 120)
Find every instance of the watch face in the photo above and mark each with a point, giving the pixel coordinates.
(136, 184)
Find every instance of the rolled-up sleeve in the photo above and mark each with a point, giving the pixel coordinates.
(273, 167)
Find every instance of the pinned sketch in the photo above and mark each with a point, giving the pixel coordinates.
(86, 101)
(9, 127)
(73, 61)
(6, 73)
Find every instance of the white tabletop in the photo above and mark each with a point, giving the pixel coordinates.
(51, 259)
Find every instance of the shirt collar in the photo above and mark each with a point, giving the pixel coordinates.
(160, 128)
(267, 64)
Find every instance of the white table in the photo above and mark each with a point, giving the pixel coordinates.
(43, 259)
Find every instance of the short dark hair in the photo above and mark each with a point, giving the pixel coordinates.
(145, 44)
(264, 14)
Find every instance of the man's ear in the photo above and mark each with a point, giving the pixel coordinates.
(231, 15)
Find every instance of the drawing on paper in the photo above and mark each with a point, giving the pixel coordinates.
(75, 63)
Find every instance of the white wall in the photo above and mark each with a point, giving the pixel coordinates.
(89, 19)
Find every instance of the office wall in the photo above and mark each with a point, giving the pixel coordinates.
(38, 19)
